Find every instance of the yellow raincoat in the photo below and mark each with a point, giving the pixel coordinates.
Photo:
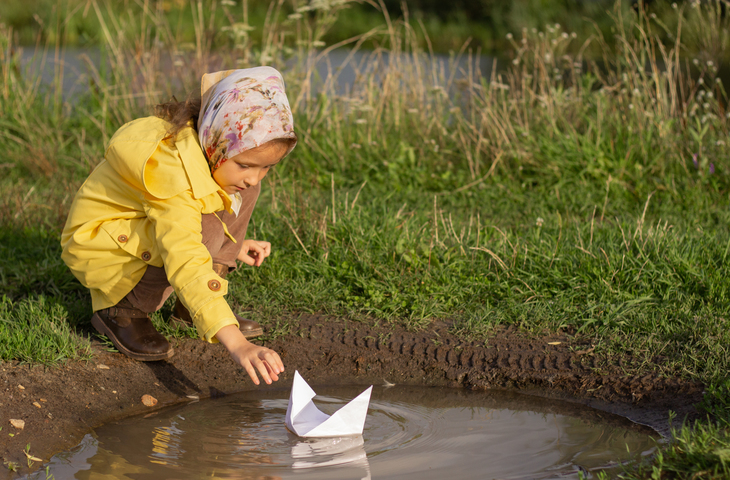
(142, 206)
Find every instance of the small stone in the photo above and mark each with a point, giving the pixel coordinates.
(554, 343)
(36, 404)
(193, 397)
(21, 387)
(101, 366)
(19, 424)
(49, 415)
(114, 391)
(43, 400)
(149, 400)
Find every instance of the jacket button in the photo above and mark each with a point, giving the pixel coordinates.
(146, 256)
(122, 238)
(214, 285)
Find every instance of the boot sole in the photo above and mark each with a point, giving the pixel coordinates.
(101, 327)
(253, 333)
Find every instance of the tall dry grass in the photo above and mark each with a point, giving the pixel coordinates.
(408, 119)
(645, 88)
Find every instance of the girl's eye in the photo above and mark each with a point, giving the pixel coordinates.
(243, 166)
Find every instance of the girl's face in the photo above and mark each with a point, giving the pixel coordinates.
(247, 169)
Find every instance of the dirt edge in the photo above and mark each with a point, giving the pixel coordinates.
(60, 405)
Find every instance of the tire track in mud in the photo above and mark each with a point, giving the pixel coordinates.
(336, 350)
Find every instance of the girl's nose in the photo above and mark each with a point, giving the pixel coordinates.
(253, 178)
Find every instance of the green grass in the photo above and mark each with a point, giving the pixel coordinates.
(36, 330)
(76, 22)
(443, 27)
(636, 281)
(557, 196)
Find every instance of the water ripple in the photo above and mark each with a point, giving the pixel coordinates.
(410, 432)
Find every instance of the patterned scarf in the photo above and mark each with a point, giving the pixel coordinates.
(241, 110)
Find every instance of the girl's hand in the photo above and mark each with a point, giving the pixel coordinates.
(251, 357)
(253, 252)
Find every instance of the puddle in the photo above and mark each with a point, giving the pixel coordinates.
(410, 433)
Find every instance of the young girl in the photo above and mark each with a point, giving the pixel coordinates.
(168, 209)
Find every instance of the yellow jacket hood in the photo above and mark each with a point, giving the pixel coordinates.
(130, 154)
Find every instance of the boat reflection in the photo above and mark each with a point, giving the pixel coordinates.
(327, 452)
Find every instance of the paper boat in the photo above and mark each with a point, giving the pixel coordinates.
(304, 419)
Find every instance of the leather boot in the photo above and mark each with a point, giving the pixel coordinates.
(181, 316)
(132, 333)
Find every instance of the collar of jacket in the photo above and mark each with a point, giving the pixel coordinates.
(144, 154)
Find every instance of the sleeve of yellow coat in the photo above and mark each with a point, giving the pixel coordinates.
(188, 264)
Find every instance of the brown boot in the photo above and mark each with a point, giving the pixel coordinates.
(132, 333)
(181, 315)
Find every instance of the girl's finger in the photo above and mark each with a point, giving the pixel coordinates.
(277, 362)
(251, 372)
(272, 359)
(259, 254)
(262, 370)
(271, 371)
(247, 259)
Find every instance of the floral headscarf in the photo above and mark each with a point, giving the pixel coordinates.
(241, 110)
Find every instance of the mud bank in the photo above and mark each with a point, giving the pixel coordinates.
(60, 405)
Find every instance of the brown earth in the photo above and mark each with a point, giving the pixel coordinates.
(60, 405)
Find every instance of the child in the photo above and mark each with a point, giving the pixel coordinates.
(168, 209)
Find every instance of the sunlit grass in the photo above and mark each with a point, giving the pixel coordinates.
(36, 330)
(35, 20)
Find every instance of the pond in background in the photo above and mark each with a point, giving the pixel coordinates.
(73, 67)
(410, 433)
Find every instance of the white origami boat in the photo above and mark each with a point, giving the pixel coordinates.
(304, 419)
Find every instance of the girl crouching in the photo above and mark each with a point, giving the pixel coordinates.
(167, 210)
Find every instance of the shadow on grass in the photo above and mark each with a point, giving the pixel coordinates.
(31, 267)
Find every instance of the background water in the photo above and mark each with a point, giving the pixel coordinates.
(76, 64)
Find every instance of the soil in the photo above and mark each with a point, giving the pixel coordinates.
(60, 405)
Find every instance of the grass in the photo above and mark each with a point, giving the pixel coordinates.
(36, 330)
(448, 26)
(636, 287)
(442, 27)
(561, 194)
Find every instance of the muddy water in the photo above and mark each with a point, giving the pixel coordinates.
(410, 433)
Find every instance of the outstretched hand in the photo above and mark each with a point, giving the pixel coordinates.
(253, 252)
(253, 358)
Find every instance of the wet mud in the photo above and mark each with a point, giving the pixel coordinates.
(60, 405)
